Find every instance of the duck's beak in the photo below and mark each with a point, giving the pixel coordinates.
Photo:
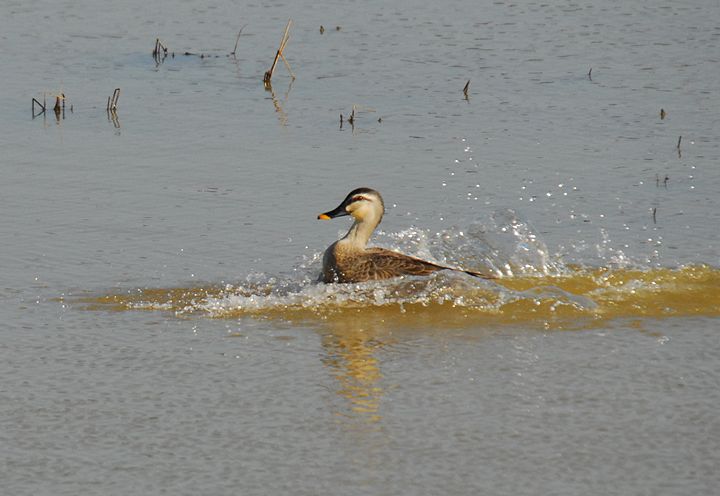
(338, 212)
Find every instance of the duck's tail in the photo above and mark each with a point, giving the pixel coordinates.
(479, 275)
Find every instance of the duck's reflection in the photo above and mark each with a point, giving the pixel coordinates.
(351, 355)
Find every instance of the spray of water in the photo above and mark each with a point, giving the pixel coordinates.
(533, 286)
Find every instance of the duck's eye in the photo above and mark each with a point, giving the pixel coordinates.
(359, 198)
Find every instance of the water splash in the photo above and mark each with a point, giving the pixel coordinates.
(579, 298)
(505, 245)
(535, 287)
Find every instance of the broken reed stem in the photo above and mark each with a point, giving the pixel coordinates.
(160, 52)
(158, 47)
(42, 107)
(279, 54)
(269, 73)
(679, 141)
(590, 74)
(287, 65)
(59, 107)
(654, 210)
(286, 38)
(286, 35)
(466, 88)
(113, 100)
(116, 97)
(237, 40)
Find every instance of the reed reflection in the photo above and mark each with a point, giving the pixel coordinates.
(113, 117)
(282, 116)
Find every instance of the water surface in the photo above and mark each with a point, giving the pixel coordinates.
(163, 331)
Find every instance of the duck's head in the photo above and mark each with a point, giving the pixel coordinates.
(362, 203)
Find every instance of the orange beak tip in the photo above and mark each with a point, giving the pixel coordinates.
(323, 217)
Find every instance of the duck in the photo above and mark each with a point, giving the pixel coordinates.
(349, 260)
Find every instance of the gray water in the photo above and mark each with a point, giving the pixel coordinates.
(204, 178)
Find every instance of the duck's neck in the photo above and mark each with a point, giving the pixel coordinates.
(359, 234)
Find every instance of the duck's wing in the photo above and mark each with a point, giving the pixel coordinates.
(379, 263)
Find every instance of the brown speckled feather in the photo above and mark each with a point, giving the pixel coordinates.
(377, 263)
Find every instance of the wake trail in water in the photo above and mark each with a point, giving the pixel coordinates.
(531, 286)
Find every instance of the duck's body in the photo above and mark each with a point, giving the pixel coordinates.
(342, 263)
(349, 259)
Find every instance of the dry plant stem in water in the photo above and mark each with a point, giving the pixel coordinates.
(279, 55)
(237, 40)
(112, 100)
(42, 108)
